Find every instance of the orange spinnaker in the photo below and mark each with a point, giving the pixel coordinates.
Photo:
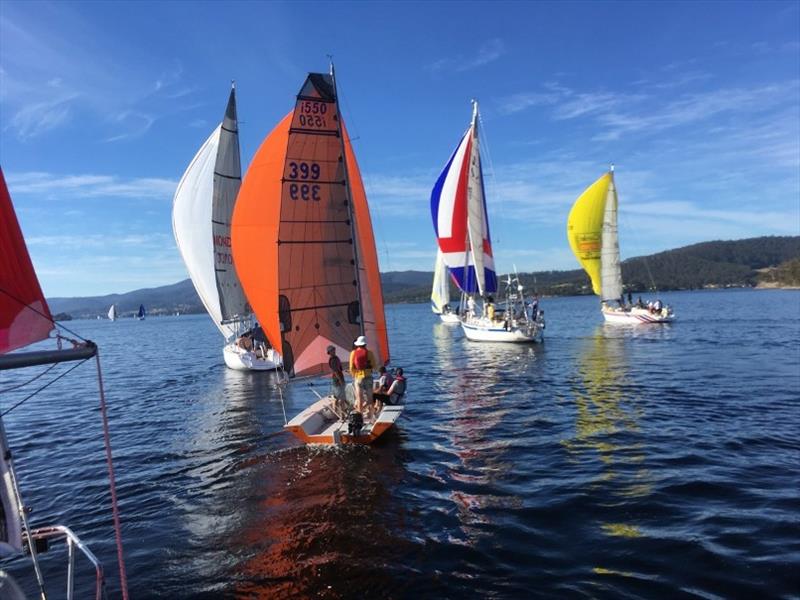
(293, 240)
(254, 229)
(368, 257)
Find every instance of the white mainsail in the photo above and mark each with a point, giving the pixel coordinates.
(610, 270)
(476, 218)
(112, 312)
(201, 222)
(440, 294)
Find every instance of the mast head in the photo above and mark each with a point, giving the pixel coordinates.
(611, 168)
(330, 64)
(233, 84)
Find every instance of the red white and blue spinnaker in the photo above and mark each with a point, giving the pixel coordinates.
(458, 208)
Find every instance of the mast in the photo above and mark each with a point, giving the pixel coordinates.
(467, 244)
(349, 197)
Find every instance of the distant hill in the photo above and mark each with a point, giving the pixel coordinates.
(785, 275)
(738, 263)
(168, 299)
(766, 261)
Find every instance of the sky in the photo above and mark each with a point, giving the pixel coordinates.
(104, 104)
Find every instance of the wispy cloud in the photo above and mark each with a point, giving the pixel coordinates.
(487, 52)
(49, 185)
(37, 118)
(48, 82)
(141, 241)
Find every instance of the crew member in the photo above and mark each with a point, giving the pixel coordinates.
(362, 361)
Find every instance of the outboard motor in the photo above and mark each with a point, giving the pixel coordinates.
(354, 423)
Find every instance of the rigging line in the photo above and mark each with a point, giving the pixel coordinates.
(48, 384)
(485, 142)
(41, 314)
(123, 579)
(31, 380)
(279, 385)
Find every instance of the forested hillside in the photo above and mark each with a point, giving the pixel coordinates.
(765, 261)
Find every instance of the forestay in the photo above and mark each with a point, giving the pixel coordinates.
(302, 237)
(201, 221)
(458, 208)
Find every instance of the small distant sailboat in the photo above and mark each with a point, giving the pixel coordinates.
(112, 313)
(592, 232)
(440, 294)
(201, 221)
(305, 254)
(142, 313)
(461, 222)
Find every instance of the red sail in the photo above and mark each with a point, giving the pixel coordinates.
(24, 314)
(302, 242)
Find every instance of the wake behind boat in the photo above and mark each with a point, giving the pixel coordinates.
(201, 218)
(305, 254)
(461, 222)
(592, 232)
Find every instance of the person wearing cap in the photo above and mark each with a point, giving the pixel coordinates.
(337, 375)
(362, 361)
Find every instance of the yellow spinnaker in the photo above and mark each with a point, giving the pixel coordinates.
(585, 228)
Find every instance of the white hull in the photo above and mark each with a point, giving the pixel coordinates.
(483, 330)
(636, 316)
(318, 424)
(450, 318)
(239, 359)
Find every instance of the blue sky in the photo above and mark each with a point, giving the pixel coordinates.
(103, 105)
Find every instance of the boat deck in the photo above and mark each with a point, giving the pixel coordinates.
(318, 424)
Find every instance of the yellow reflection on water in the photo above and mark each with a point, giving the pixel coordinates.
(605, 406)
(621, 530)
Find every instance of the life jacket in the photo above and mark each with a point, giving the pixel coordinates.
(361, 359)
(400, 388)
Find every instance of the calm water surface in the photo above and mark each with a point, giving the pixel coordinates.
(611, 462)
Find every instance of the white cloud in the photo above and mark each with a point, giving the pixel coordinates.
(488, 52)
(56, 186)
(35, 119)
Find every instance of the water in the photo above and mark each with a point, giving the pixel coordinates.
(658, 462)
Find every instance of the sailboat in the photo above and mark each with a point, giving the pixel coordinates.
(201, 217)
(24, 320)
(461, 222)
(112, 313)
(592, 232)
(440, 294)
(142, 313)
(305, 254)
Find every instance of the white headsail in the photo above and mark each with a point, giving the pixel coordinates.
(610, 270)
(201, 218)
(440, 294)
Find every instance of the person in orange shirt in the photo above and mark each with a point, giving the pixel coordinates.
(362, 361)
